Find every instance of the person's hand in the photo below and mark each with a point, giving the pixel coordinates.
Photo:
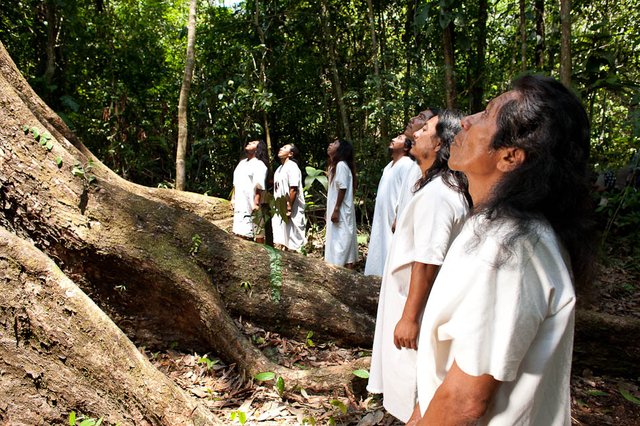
(405, 334)
(256, 207)
(288, 209)
(335, 216)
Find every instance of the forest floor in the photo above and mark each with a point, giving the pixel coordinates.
(596, 400)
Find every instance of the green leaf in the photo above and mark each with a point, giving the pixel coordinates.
(77, 171)
(627, 395)
(88, 422)
(363, 374)
(597, 393)
(242, 416)
(59, 161)
(265, 376)
(72, 415)
(35, 132)
(340, 405)
(99, 422)
(49, 145)
(280, 386)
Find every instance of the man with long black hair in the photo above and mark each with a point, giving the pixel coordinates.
(496, 337)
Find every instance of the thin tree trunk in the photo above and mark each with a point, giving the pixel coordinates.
(477, 86)
(523, 35)
(565, 42)
(330, 41)
(449, 65)
(382, 122)
(540, 36)
(52, 35)
(263, 74)
(409, 43)
(184, 99)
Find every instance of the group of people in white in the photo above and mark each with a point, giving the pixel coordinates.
(481, 233)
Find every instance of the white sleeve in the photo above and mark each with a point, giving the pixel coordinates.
(294, 176)
(432, 231)
(260, 176)
(342, 178)
(497, 319)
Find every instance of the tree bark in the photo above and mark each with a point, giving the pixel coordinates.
(263, 75)
(61, 353)
(330, 42)
(477, 85)
(382, 130)
(523, 35)
(565, 42)
(449, 65)
(183, 132)
(540, 36)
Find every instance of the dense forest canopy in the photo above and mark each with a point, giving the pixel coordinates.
(307, 71)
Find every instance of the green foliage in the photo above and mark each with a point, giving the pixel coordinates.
(340, 405)
(209, 363)
(279, 386)
(239, 415)
(363, 374)
(196, 241)
(83, 421)
(265, 376)
(627, 395)
(275, 272)
(309, 342)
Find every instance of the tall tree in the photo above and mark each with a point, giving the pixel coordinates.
(329, 39)
(449, 64)
(382, 122)
(523, 35)
(565, 42)
(262, 72)
(184, 99)
(478, 78)
(540, 36)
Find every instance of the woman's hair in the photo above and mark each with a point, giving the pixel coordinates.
(262, 153)
(295, 157)
(446, 129)
(343, 153)
(549, 124)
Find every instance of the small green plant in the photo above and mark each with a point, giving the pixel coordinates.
(279, 386)
(196, 241)
(241, 416)
(246, 286)
(363, 374)
(265, 376)
(309, 421)
(83, 171)
(309, 341)
(627, 395)
(275, 272)
(83, 421)
(209, 363)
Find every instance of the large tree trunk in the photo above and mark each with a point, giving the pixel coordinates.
(61, 353)
(181, 151)
(565, 42)
(151, 258)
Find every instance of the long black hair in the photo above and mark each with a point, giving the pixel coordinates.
(343, 153)
(262, 153)
(446, 129)
(549, 124)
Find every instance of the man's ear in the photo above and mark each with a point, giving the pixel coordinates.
(510, 159)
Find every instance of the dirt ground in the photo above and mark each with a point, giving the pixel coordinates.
(596, 400)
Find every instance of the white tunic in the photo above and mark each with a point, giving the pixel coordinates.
(385, 213)
(406, 190)
(513, 321)
(290, 233)
(424, 233)
(341, 246)
(247, 176)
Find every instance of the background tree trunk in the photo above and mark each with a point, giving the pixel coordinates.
(523, 35)
(540, 36)
(330, 41)
(478, 66)
(184, 99)
(449, 65)
(565, 42)
(382, 129)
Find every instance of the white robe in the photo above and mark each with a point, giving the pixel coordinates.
(341, 246)
(406, 190)
(423, 234)
(247, 176)
(290, 233)
(513, 320)
(384, 214)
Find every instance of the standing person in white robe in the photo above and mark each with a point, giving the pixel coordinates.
(289, 233)
(424, 233)
(387, 203)
(341, 247)
(414, 173)
(497, 334)
(249, 180)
